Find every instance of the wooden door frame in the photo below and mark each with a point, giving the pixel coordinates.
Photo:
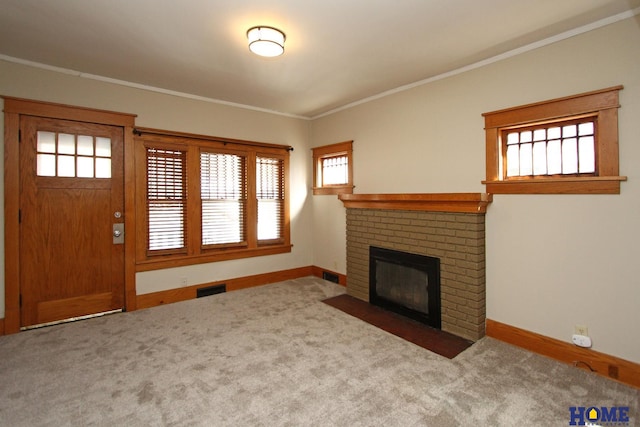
(13, 109)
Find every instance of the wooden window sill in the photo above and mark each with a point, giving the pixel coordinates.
(568, 185)
(221, 255)
(336, 189)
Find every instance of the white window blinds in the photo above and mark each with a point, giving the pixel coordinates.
(270, 195)
(166, 199)
(223, 193)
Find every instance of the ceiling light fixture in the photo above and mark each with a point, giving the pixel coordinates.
(266, 41)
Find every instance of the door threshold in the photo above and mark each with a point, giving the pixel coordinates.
(69, 320)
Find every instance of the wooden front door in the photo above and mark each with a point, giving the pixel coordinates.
(71, 203)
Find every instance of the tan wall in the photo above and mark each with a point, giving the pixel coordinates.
(552, 261)
(186, 115)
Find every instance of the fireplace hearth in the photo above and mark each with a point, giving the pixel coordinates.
(405, 283)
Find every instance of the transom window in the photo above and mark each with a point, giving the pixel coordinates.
(333, 168)
(565, 145)
(72, 156)
(209, 199)
(565, 148)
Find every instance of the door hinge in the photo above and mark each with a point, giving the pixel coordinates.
(21, 300)
(19, 216)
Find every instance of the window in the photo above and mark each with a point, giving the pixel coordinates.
(567, 148)
(223, 194)
(566, 145)
(73, 156)
(270, 195)
(166, 200)
(204, 199)
(333, 169)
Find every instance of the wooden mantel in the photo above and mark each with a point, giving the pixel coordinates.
(434, 202)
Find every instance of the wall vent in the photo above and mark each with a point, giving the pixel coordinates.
(211, 290)
(330, 277)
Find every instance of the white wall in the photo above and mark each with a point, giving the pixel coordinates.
(553, 261)
(186, 115)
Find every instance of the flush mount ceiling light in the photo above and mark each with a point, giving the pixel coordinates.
(266, 41)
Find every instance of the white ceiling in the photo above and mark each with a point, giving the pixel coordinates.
(337, 51)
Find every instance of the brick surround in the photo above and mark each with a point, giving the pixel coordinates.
(457, 238)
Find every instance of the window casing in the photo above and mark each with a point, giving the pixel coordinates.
(566, 145)
(333, 169)
(204, 199)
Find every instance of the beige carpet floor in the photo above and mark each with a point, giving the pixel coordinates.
(275, 355)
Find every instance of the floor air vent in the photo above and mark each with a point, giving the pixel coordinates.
(211, 290)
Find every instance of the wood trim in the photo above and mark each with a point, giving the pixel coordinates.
(333, 190)
(333, 149)
(602, 364)
(319, 153)
(584, 185)
(1, 326)
(317, 271)
(129, 221)
(587, 102)
(139, 131)
(187, 293)
(608, 154)
(159, 262)
(11, 222)
(435, 202)
(602, 105)
(67, 112)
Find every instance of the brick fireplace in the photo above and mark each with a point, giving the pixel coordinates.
(449, 226)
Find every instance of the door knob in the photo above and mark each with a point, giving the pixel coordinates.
(118, 234)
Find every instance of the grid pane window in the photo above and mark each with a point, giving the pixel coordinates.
(72, 156)
(551, 150)
(335, 170)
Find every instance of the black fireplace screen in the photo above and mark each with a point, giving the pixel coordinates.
(406, 283)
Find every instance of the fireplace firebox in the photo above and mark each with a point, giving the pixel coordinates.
(405, 283)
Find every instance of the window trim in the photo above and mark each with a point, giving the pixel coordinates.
(195, 252)
(327, 151)
(602, 104)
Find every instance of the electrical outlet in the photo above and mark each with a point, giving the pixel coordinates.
(581, 330)
(183, 281)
